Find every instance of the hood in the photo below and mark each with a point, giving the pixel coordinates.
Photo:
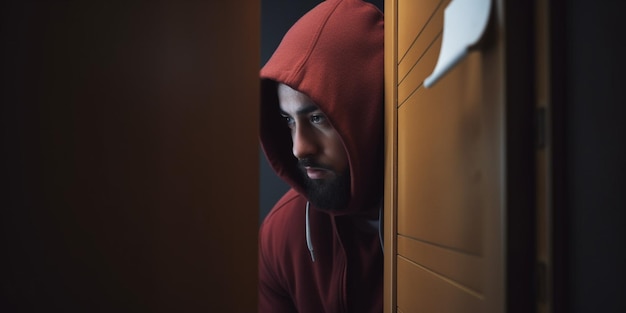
(334, 55)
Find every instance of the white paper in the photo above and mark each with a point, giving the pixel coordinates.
(464, 22)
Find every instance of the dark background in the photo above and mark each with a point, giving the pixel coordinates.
(589, 163)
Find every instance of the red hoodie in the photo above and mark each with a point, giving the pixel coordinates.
(311, 260)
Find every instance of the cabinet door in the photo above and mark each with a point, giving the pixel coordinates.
(451, 177)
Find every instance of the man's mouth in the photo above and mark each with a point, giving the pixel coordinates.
(315, 170)
(318, 172)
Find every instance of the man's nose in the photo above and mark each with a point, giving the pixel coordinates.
(304, 143)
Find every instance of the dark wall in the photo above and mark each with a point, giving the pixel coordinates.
(591, 186)
(128, 170)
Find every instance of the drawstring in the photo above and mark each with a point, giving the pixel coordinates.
(309, 243)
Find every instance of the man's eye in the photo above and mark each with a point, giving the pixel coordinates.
(289, 120)
(317, 118)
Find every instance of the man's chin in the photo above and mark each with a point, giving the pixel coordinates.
(328, 194)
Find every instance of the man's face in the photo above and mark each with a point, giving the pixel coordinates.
(317, 146)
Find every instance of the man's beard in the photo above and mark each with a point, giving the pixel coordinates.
(332, 194)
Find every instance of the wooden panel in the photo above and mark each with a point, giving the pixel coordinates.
(412, 18)
(427, 39)
(418, 72)
(464, 269)
(443, 162)
(421, 290)
(447, 169)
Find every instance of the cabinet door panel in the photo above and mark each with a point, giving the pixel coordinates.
(447, 183)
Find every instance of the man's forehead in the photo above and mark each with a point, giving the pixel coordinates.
(292, 101)
(299, 110)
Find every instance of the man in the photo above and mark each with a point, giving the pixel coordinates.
(320, 247)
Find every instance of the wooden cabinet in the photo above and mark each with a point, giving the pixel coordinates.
(459, 174)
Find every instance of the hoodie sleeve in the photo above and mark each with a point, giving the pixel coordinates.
(272, 297)
(274, 235)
